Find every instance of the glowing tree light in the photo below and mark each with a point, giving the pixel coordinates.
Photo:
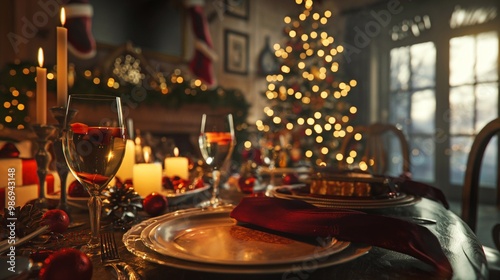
(307, 114)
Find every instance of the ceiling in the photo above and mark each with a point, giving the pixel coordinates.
(350, 5)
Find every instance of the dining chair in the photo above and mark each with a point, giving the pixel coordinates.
(373, 147)
(470, 192)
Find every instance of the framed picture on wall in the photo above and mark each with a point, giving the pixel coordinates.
(237, 8)
(235, 52)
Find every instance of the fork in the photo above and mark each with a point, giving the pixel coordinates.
(111, 257)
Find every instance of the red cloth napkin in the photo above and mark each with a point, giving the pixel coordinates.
(421, 189)
(300, 218)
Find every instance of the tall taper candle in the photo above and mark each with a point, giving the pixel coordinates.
(41, 90)
(62, 62)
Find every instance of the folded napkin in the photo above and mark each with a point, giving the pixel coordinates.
(300, 218)
(421, 189)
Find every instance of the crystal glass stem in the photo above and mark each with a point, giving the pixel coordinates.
(215, 201)
(95, 207)
(42, 157)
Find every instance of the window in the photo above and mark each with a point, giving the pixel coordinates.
(473, 100)
(460, 99)
(413, 102)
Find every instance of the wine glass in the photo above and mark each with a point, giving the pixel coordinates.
(216, 143)
(94, 146)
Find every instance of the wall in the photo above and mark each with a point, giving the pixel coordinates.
(265, 18)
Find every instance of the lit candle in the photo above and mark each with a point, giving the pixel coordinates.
(177, 166)
(147, 177)
(62, 62)
(41, 90)
(126, 169)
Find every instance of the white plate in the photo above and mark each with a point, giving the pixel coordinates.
(173, 198)
(353, 203)
(214, 237)
(133, 243)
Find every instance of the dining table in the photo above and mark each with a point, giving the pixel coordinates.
(460, 245)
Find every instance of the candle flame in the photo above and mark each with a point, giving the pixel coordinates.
(176, 152)
(63, 16)
(40, 57)
(147, 153)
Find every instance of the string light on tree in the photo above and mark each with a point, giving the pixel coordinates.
(307, 98)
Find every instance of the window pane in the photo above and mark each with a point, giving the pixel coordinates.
(422, 158)
(487, 54)
(460, 147)
(423, 108)
(395, 157)
(423, 65)
(400, 68)
(400, 110)
(487, 104)
(462, 110)
(462, 60)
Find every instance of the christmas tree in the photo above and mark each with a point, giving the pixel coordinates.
(307, 114)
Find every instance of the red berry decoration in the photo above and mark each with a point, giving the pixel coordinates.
(290, 179)
(198, 183)
(155, 204)
(56, 219)
(67, 263)
(167, 183)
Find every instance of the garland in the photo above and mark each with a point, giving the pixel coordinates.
(17, 86)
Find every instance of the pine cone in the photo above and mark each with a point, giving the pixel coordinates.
(27, 220)
(121, 203)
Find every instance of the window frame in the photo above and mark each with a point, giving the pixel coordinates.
(440, 34)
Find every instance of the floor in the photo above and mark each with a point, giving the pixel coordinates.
(488, 215)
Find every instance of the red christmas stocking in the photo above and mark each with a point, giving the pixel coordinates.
(201, 63)
(81, 42)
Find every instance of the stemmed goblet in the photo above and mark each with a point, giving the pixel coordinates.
(94, 146)
(216, 143)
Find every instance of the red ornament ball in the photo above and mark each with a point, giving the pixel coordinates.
(246, 184)
(67, 263)
(56, 219)
(154, 204)
(76, 189)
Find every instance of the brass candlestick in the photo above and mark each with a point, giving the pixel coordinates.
(59, 114)
(42, 157)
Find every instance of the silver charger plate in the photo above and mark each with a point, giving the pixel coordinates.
(212, 236)
(353, 203)
(182, 197)
(134, 244)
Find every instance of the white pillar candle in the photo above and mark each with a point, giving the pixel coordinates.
(126, 169)
(147, 178)
(62, 62)
(41, 90)
(177, 166)
(22, 194)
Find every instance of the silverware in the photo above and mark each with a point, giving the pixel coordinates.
(6, 244)
(110, 257)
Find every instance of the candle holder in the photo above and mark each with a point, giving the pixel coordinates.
(42, 157)
(59, 113)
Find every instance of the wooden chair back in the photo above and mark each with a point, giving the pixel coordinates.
(374, 148)
(470, 192)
